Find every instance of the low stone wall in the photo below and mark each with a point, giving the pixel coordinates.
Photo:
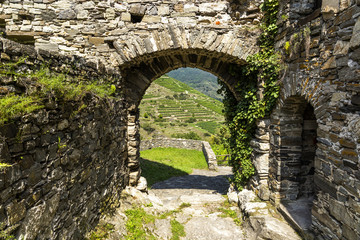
(185, 144)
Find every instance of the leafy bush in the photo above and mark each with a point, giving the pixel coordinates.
(181, 96)
(190, 120)
(147, 127)
(146, 115)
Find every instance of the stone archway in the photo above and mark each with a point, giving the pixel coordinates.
(292, 159)
(141, 74)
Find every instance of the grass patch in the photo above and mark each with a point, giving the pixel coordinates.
(227, 212)
(137, 218)
(47, 84)
(177, 230)
(139, 221)
(159, 164)
(13, 105)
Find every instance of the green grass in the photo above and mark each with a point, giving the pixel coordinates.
(137, 218)
(175, 86)
(48, 83)
(177, 230)
(227, 212)
(12, 106)
(159, 164)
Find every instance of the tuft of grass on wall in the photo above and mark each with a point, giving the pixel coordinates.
(60, 85)
(14, 105)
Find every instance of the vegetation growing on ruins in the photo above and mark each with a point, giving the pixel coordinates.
(262, 68)
(42, 85)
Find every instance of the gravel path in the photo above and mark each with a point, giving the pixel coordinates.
(202, 192)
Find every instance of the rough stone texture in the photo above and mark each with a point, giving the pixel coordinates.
(314, 131)
(171, 142)
(312, 151)
(67, 164)
(261, 219)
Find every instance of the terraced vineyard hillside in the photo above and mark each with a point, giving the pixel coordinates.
(172, 108)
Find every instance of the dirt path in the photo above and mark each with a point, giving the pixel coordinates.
(193, 207)
(207, 215)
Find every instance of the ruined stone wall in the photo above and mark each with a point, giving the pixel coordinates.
(320, 48)
(171, 142)
(68, 160)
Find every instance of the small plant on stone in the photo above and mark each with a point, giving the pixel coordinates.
(5, 234)
(3, 166)
(184, 205)
(102, 231)
(177, 230)
(60, 146)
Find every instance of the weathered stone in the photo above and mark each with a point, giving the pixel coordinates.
(163, 10)
(126, 17)
(15, 212)
(4, 152)
(330, 6)
(67, 14)
(38, 217)
(355, 38)
(137, 9)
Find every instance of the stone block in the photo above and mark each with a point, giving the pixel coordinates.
(38, 217)
(163, 10)
(190, 7)
(324, 217)
(4, 152)
(340, 212)
(325, 185)
(137, 10)
(349, 154)
(15, 212)
(151, 19)
(67, 14)
(126, 17)
(341, 48)
(355, 38)
(330, 6)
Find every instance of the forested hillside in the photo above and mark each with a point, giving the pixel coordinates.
(200, 80)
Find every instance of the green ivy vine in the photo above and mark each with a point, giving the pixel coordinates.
(241, 116)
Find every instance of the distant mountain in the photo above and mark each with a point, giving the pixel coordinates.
(200, 80)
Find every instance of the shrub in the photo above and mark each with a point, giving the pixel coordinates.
(190, 120)
(146, 115)
(148, 128)
(191, 135)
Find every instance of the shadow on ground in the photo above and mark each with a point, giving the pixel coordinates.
(156, 172)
